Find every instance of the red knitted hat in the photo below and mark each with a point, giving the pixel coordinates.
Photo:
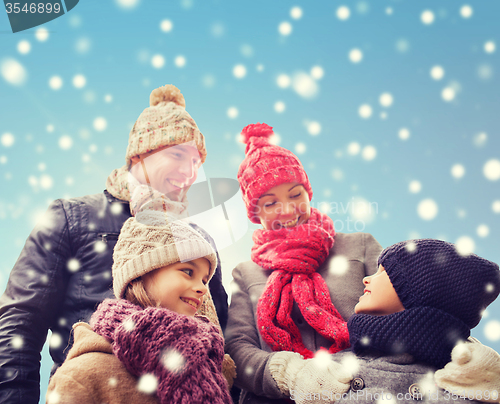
(266, 166)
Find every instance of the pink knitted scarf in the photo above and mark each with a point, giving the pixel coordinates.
(294, 255)
(183, 353)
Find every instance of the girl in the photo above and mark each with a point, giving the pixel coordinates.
(304, 279)
(147, 346)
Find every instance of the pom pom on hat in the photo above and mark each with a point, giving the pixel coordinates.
(167, 93)
(261, 130)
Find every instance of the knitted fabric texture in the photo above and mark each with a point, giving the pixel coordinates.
(443, 293)
(164, 123)
(144, 197)
(294, 255)
(149, 241)
(432, 273)
(427, 333)
(266, 166)
(183, 353)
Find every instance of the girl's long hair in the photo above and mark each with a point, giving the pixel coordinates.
(136, 294)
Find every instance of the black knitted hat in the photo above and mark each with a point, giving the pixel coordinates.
(432, 273)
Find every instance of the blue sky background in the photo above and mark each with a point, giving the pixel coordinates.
(392, 103)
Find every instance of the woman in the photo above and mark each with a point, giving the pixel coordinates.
(304, 279)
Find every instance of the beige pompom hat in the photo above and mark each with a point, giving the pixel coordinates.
(153, 240)
(164, 123)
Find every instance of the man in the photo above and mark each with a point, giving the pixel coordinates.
(64, 270)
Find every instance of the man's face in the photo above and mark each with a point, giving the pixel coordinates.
(170, 170)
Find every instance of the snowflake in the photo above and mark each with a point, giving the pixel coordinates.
(17, 342)
(147, 383)
(173, 360)
(55, 340)
(129, 325)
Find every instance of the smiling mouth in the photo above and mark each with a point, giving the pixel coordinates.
(290, 223)
(178, 184)
(191, 302)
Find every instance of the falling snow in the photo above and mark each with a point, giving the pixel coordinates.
(386, 99)
(129, 325)
(180, 61)
(296, 13)
(304, 85)
(437, 72)
(127, 4)
(427, 209)
(100, 124)
(465, 245)
(448, 94)
(285, 28)
(404, 134)
(369, 153)
(466, 11)
(232, 112)
(55, 83)
(457, 171)
(158, 61)
(42, 34)
(279, 107)
(166, 25)
(173, 360)
(55, 341)
(365, 111)
(7, 139)
(147, 383)
(483, 230)
(24, 47)
(415, 187)
(239, 71)
(339, 265)
(491, 170)
(13, 72)
(492, 330)
(353, 148)
(73, 265)
(343, 13)
(17, 342)
(355, 55)
(427, 17)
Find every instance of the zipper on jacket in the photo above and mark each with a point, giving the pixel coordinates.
(107, 236)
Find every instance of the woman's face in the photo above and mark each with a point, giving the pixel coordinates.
(283, 206)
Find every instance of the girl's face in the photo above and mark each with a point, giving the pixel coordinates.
(379, 297)
(283, 206)
(179, 287)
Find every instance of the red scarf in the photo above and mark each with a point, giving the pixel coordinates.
(294, 255)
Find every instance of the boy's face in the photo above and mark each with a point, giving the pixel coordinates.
(379, 297)
(170, 170)
(179, 287)
(286, 205)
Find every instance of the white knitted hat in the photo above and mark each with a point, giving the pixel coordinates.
(164, 123)
(150, 241)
